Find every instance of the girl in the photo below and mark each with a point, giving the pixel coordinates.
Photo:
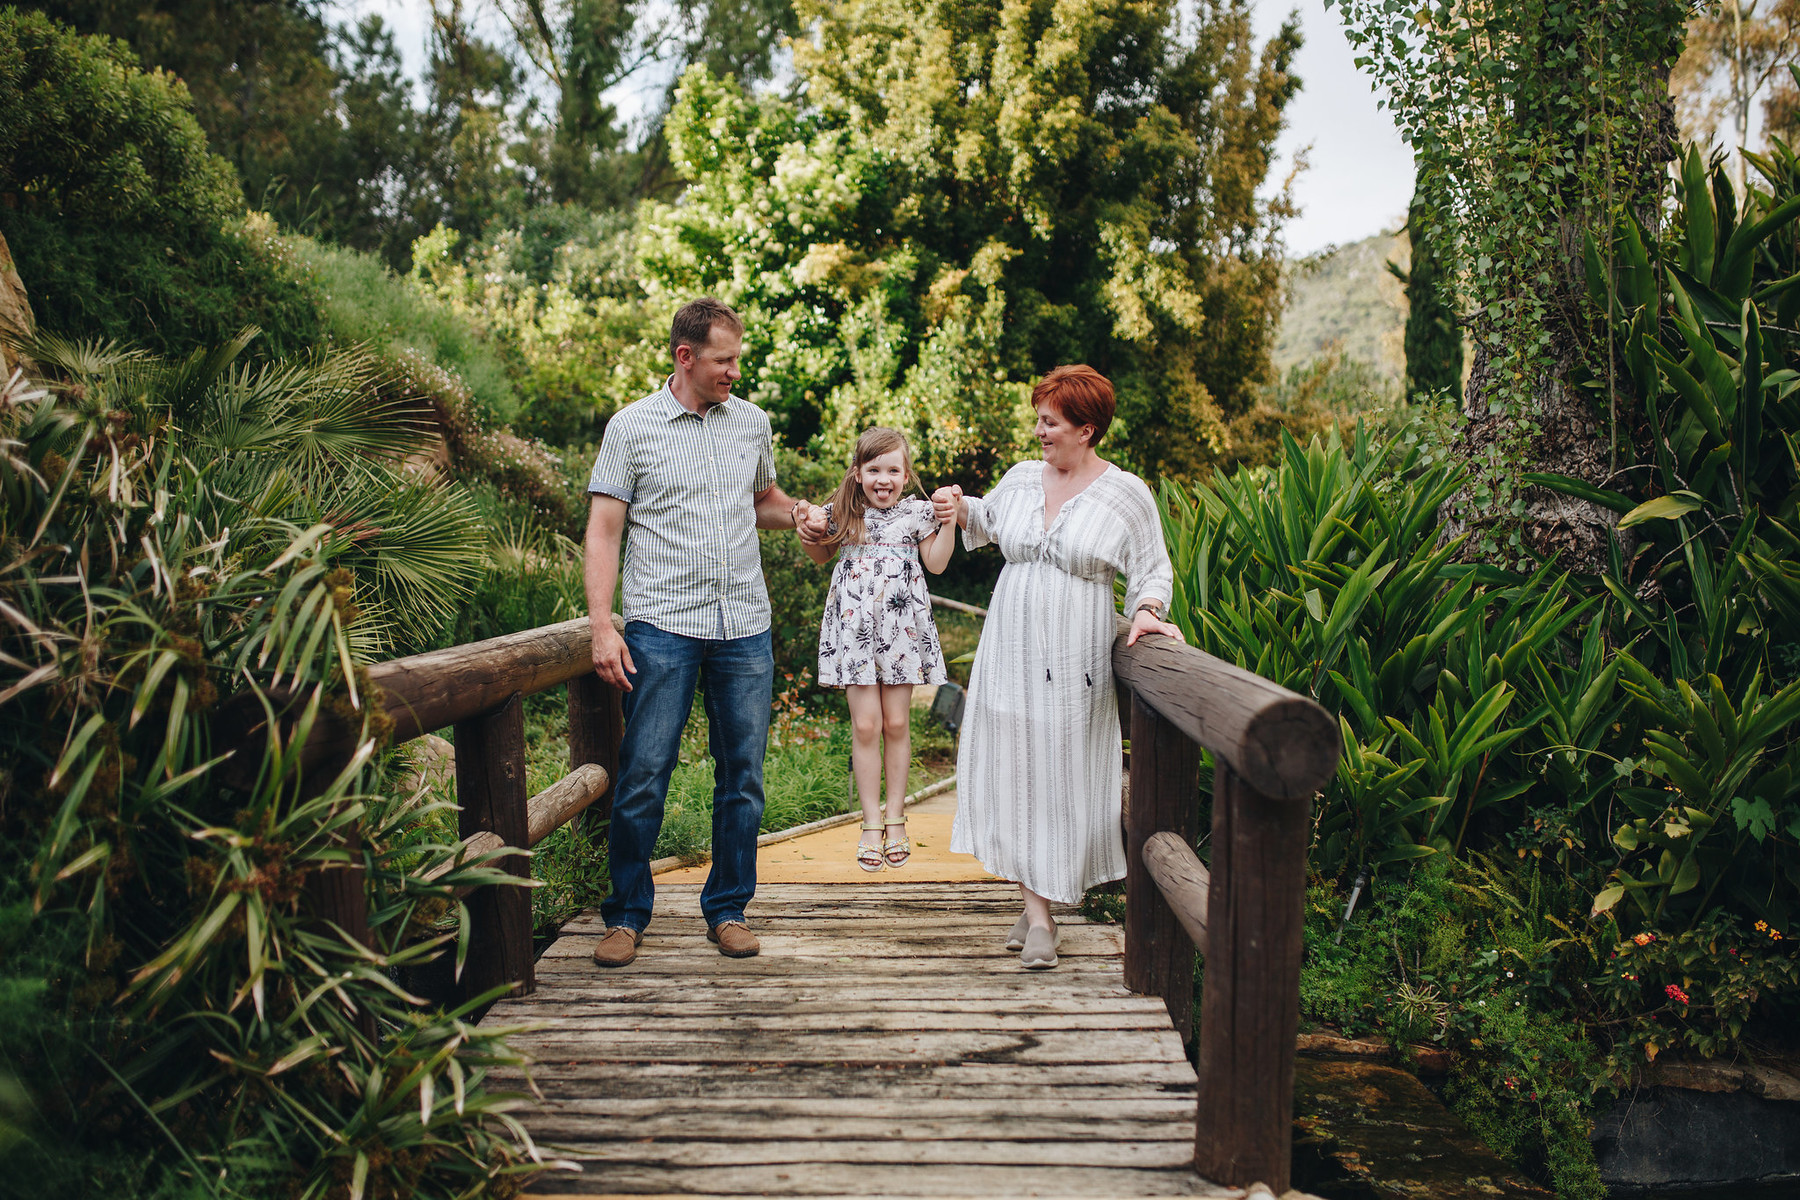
(877, 639)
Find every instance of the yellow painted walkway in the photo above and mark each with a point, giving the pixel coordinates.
(829, 856)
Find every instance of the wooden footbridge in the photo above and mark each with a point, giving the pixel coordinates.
(884, 1042)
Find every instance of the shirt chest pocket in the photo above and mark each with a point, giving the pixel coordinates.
(735, 462)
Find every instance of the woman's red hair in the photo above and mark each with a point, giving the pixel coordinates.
(1080, 394)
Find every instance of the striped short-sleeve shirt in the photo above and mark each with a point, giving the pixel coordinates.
(692, 562)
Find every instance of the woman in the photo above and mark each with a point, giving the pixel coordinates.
(1038, 773)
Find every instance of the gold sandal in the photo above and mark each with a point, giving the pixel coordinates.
(901, 845)
(871, 858)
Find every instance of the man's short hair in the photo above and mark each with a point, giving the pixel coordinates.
(694, 322)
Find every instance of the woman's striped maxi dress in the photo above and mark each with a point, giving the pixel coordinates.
(1038, 771)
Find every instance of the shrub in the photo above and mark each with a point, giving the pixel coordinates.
(520, 469)
(123, 225)
(797, 585)
(362, 302)
(185, 1023)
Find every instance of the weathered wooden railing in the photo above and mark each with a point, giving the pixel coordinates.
(1271, 750)
(478, 688)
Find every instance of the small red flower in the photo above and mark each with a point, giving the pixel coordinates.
(1676, 994)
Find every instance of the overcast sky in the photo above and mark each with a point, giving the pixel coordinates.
(1360, 174)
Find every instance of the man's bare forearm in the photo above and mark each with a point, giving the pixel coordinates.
(774, 509)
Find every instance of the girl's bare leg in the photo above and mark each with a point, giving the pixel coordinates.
(865, 755)
(896, 736)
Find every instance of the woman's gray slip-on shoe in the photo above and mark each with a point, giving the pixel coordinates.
(1039, 953)
(1015, 941)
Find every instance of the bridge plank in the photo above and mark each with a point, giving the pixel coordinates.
(858, 1179)
(884, 1043)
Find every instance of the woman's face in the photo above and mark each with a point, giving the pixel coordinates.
(1065, 445)
(883, 479)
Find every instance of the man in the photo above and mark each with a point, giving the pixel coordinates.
(690, 470)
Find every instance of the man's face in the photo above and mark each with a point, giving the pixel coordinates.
(713, 368)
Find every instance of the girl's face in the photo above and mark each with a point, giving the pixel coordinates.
(883, 479)
(1064, 444)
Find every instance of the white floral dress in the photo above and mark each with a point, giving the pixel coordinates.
(877, 626)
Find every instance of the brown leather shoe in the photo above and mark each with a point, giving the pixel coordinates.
(618, 947)
(734, 939)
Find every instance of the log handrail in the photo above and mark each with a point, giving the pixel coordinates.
(1272, 750)
(545, 813)
(1283, 743)
(479, 688)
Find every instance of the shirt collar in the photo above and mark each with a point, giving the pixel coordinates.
(673, 408)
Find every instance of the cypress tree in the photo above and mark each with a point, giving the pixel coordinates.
(1434, 345)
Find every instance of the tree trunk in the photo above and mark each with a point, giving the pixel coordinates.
(1573, 440)
(1578, 432)
(16, 323)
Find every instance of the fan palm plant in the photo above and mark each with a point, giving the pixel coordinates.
(171, 533)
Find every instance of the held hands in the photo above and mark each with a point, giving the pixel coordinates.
(1144, 621)
(811, 522)
(947, 505)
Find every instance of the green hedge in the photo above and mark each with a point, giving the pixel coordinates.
(121, 222)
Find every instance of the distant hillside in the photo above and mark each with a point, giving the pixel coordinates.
(1347, 295)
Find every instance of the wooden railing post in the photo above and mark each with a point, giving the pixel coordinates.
(1165, 780)
(490, 786)
(596, 725)
(1249, 1011)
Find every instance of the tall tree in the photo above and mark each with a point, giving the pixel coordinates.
(585, 48)
(258, 72)
(1538, 126)
(1737, 51)
(487, 149)
(980, 191)
(1434, 340)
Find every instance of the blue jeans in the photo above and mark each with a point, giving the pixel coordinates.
(737, 676)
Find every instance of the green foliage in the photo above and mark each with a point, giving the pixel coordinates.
(1695, 989)
(1434, 340)
(1460, 955)
(362, 303)
(549, 485)
(559, 299)
(1701, 319)
(1532, 123)
(797, 585)
(1604, 738)
(172, 536)
(806, 777)
(1327, 574)
(121, 222)
(975, 194)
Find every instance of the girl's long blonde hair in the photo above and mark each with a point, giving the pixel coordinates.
(848, 504)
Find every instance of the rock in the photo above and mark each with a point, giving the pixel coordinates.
(16, 321)
(1370, 1130)
(1719, 1078)
(1667, 1138)
(1329, 1045)
(1431, 1060)
(432, 764)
